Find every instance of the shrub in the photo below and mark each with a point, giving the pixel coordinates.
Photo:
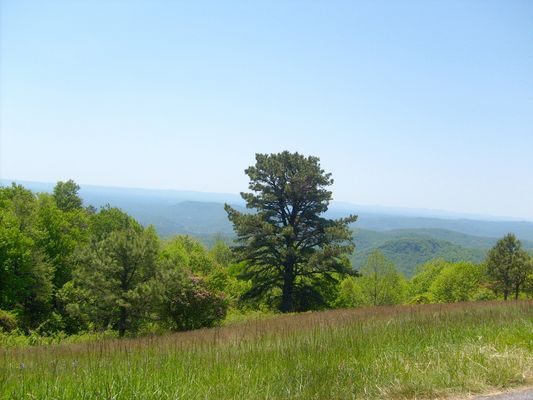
(185, 302)
(483, 294)
(424, 298)
(8, 321)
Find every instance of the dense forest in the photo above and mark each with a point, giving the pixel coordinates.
(67, 268)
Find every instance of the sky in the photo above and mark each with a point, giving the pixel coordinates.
(419, 104)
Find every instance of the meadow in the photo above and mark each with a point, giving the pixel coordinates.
(396, 352)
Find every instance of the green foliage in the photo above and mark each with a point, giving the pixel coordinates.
(188, 253)
(350, 293)
(189, 284)
(62, 232)
(66, 196)
(221, 253)
(64, 268)
(418, 289)
(185, 302)
(381, 282)
(412, 250)
(73, 303)
(417, 352)
(287, 245)
(18, 339)
(439, 281)
(528, 285)
(69, 270)
(458, 282)
(225, 280)
(509, 266)
(25, 276)
(8, 321)
(111, 219)
(483, 294)
(113, 273)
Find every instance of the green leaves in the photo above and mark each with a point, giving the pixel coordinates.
(381, 282)
(508, 266)
(457, 282)
(287, 244)
(112, 273)
(66, 196)
(25, 273)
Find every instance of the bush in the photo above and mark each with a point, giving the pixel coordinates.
(51, 326)
(8, 321)
(185, 302)
(483, 294)
(193, 306)
(424, 298)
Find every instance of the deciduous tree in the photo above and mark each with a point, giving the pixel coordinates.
(381, 282)
(456, 282)
(25, 275)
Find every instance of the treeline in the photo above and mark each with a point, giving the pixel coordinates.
(68, 268)
(507, 272)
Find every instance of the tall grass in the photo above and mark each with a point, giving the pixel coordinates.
(390, 352)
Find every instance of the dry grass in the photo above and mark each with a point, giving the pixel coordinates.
(422, 351)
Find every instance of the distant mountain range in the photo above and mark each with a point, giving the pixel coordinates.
(407, 239)
(411, 247)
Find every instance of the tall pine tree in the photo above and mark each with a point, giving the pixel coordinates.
(287, 245)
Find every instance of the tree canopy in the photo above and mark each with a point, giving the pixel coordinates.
(286, 243)
(66, 195)
(508, 265)
(69, 269)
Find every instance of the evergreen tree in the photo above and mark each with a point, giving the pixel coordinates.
(508, 265)
(114, 273)
(287, 244)
(66, 195)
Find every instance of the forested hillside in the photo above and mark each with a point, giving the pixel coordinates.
(407, 253)
(406, 240)
(68, 268)
(197, 213)
(408, 248)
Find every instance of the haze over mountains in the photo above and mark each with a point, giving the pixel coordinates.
(407, 236)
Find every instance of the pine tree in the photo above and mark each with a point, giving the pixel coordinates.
(508, 265)
(287, 244)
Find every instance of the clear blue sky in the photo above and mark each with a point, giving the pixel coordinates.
(425, 104)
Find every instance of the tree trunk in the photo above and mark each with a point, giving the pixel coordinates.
(505, 294)
(122, 321)
(287, 301)
(517, 292)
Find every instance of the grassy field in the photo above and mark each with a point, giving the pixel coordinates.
(391, 352)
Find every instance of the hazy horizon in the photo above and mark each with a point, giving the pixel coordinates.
(338, 204)
(418, 105)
